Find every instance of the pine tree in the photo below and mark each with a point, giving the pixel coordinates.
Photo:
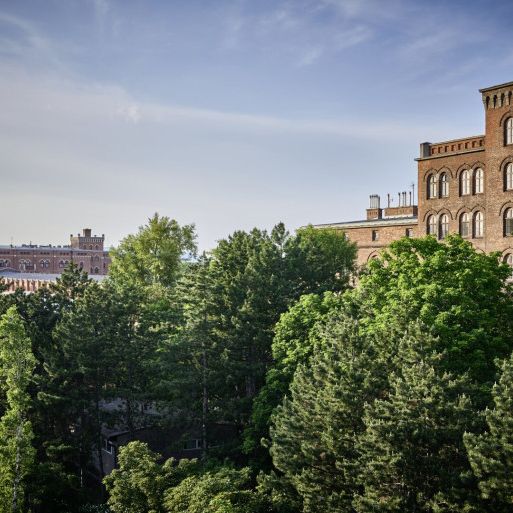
(16, 452)
(491, 453)
(411, 453)
(314, 432)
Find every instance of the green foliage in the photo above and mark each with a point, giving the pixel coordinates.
(152, 256)
(491, 453)
(460, 293)
(296, 334)
(16, 452)
(224, 490)
(138, 485)
(314, 432)
(411, 454)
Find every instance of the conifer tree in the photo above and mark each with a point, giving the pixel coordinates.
(314, 432)
(491, 453)
(16, 452)
(411, 454)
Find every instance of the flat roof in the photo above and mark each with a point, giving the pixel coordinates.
(491, 88)
(367, 223)
(49, 248)
(42, 276)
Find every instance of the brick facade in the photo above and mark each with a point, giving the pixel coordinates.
(85, 250)
(463, 187)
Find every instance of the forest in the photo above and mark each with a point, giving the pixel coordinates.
(387, 388)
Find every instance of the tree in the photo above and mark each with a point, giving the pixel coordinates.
(411, 454)
(491, 453)
(153, 255)
(314, 432)
(461, 294)
(138, 485)
(16, 451)
(296, 334)
(224, 490)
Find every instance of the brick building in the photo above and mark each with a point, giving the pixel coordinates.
(85, 250)
(464, 186)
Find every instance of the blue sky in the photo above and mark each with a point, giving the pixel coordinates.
(230, 113)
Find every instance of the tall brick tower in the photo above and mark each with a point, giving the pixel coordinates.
(87, 241)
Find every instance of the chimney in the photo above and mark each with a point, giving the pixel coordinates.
(425, 150)
(374, 211)
(87, 232)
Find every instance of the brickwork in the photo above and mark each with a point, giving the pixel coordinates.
(86, 251)
(462, 188)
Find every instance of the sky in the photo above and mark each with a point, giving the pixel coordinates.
(230, 114)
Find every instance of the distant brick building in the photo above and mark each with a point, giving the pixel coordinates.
(85, 250)
(464, 186)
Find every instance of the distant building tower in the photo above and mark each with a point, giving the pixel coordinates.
(87, 241)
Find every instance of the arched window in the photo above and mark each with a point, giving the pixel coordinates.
(96, 247)
(432, 187)
(61, 263)
(508, 222)
(444, 185)
(508, 177)
(444, 226)
(478, 224)
(81, 265)
(465, 182)
(509, 131)
(44, 264)
(465, 224)
(508, 259)
(2, 264)
(96, 270)
(478, 181)
(431, 225)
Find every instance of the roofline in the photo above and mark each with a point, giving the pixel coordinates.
(450, 154)
(456, 140)
(403, 221)
(492, 88)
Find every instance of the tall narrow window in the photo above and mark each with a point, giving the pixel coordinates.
(444, 185)
(478, 224)
(508, 259)
(444, 226)
(431, 225)
(465, 224)
(465, 182)
(508, 177)
(509, 131)
(508, 222)
(432, 193)
(478, 181)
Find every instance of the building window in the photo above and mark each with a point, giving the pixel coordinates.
(107, 446)
(508, 177)
(478, 224)
(81, 265)
(96, 270)
(508, 259)
(509, 131)
(44, 264)
(508, 222)
(478, 181)
(409, 233)
(444, 226)
(465, 182)
(432, 187)
(375, 235)
(444, 185)
(465, 224)
(61, 263)
(431, 225)
(192, 445)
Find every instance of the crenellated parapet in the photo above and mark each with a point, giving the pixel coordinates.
(497, 96)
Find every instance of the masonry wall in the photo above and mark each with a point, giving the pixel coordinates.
(367, 248)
